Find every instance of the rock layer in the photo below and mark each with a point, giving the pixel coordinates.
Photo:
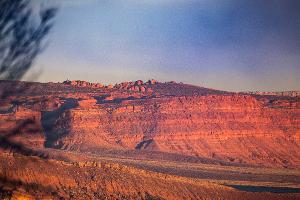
(164, 117)
(236, 128)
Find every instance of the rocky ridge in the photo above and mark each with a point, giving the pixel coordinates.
(161, 117)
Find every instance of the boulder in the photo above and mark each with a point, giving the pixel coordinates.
(139, 82)
(110, 86)
(152, 82)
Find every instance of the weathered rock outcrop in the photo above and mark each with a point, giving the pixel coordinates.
(83, 84)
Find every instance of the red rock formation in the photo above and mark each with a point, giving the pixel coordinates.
(237, 128)
(83, 84)
(173, 118)
(284, 93)
(110, 86)
(136, 86)
(152, 81)
(179, 127)
(139, 82)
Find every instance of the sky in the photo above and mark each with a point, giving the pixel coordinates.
(233, 45)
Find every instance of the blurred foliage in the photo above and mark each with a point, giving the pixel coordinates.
(22, 30)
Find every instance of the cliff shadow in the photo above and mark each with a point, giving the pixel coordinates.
(6, 142)
(143, 144)
(28, 126)
(251, 188)
(49, 118)
(9, 186)
(103, 100)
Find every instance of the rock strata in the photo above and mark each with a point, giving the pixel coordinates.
(162, 117)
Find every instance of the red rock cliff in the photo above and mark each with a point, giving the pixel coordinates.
(237, 128)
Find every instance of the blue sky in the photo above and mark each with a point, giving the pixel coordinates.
(225, 44)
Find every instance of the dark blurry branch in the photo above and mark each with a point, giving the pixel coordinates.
(21, 36)
(23, 28)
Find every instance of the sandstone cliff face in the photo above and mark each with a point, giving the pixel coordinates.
(232, 127)
(165, 117)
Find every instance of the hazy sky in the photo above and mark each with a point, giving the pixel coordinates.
(225, 44)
